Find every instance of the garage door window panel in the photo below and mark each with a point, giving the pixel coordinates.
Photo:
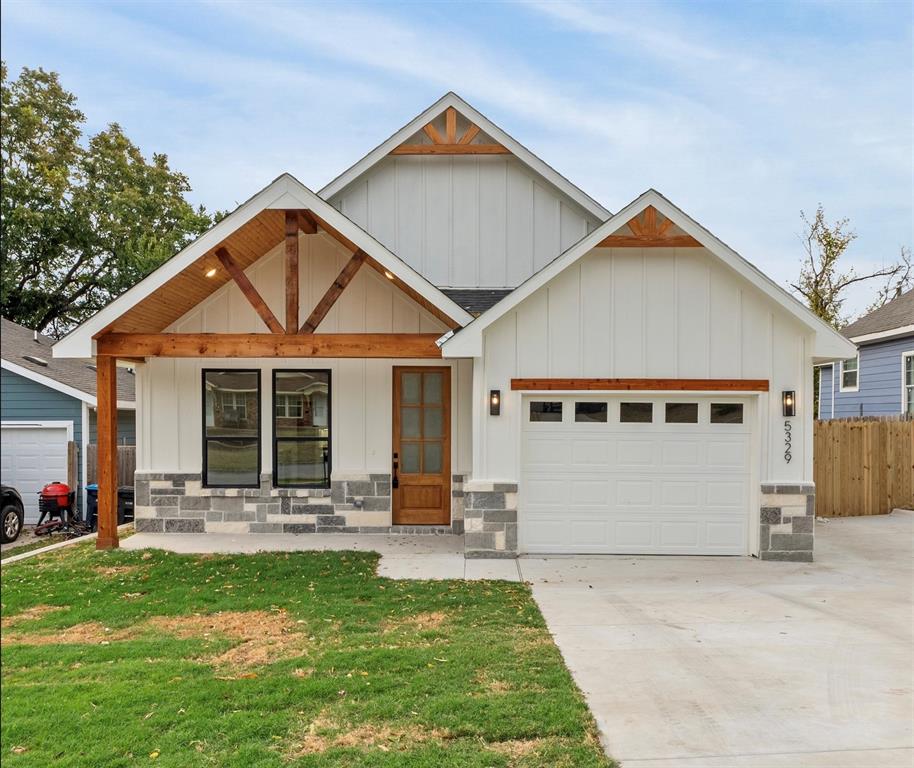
(726, 413)
(549, 410)
(590, 412)
(681, 413)
(636, 413)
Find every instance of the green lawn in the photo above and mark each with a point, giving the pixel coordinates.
(33, 543)
(305, 659)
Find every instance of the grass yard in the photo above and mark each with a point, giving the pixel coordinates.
(37, 542)
(299, 659)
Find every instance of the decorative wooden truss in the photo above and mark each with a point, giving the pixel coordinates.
(647, 231)
(449, 144)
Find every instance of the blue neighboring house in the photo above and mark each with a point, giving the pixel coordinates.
(46, 403)
(879, 381)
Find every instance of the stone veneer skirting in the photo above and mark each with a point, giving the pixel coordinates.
(178, 503)
(490, 519)
(787, 522)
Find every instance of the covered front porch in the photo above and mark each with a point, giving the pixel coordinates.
(254, 417)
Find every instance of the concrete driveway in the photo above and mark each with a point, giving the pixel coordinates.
(732, 662)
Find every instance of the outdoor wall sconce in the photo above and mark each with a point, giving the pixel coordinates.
(494, 402)
(790, 402)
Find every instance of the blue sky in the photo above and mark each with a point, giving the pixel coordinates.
(742, 113)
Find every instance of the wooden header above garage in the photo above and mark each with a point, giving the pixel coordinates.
(643, 385)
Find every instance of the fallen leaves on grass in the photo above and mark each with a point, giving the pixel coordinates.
(323, 733)
(419, 622)
(115, 570)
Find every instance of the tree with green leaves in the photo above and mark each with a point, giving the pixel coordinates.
(83, 219)
(822, 282)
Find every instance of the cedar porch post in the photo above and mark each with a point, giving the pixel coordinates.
(106, 396)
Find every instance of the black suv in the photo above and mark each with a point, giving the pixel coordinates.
(12, 514)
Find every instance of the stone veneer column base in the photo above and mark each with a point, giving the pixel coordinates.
(787, 522)
(490, 519)
(178, 503)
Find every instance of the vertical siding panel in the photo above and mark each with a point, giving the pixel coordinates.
(377, 436)
(628, 330)
(660, 326)
(692, 274)
(189, 402)
(596, 311)
(519, 224)
(163, 406)
(325, 263)
(405, 314)
(755, 337)
(532, 335)
(463, 377)
(349, 417)
(465, 232)
(492, 231)
(438, 221)
(501, 432)
(382, 203)
(546, 227)
(564, 297)
(410, 210)
(355, 204)
(573, 226)
(724, 331)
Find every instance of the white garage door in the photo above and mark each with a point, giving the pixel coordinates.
(635, 475)
(33, 456)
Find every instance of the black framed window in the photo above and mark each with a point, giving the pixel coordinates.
(231, 428)
(301, 428)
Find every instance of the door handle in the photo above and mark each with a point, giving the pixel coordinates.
(394, 480)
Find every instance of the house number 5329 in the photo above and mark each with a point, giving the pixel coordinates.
(787, 440)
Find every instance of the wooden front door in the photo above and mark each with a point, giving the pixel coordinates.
(421, 482)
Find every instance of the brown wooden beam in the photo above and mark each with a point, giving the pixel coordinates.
(469, 134)
(248, 289)
(329, 298)
(292, 226)
(636, 241)
(106, 400)
(660, 385)
(306, 222)
(451, 149)
(432, 133)
(393, 345)
(450, 125)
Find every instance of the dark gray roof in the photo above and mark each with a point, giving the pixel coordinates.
(896, 314)
(18, 342)
(476, 300)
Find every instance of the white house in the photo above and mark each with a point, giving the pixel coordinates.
(481, 348)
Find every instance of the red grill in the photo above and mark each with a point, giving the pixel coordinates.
(55, 499)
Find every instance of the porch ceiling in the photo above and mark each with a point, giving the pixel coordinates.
(189, 287)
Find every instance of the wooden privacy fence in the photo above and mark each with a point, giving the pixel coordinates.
(126, 464)
(863, 466)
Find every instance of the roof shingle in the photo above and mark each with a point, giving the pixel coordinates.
(18, 344)
(896, 314)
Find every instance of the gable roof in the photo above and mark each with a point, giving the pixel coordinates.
(188, 267)
(829, 344)
(517, 149)
(70, 377)
(893, 319)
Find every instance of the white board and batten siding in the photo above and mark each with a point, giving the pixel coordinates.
(477, 221)
(170, 391)
(648, 313)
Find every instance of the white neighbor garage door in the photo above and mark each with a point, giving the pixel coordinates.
(33, 456)
(635, 475)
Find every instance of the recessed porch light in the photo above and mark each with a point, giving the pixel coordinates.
(211, 272)
(388, 275)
